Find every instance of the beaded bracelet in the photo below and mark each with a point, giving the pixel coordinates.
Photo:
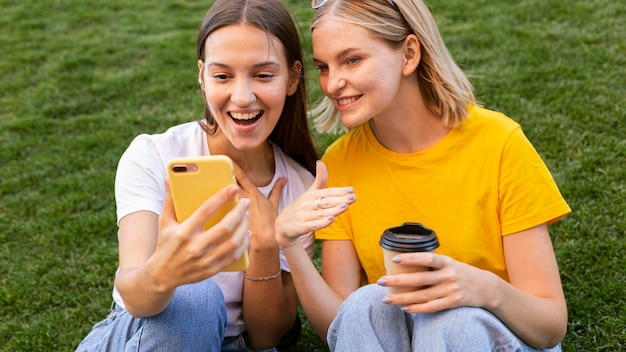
(266, 278)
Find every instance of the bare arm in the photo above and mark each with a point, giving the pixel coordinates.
(156, 254)
(269, 306)
(319, 295)
(532, 305)
(321, 299)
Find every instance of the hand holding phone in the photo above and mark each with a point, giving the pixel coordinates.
(193, 180)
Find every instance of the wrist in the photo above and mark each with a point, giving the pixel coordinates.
(159, 283)
(262, 278)
(492, 291)
(263, 240)
(284, 241)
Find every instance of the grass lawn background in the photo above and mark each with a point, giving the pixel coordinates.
(80, 79)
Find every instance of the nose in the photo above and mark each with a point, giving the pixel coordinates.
(334, 82)
(243, 93)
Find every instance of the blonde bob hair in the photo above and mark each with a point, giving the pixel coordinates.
(445, 88)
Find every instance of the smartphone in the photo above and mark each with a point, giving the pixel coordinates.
(195, 179)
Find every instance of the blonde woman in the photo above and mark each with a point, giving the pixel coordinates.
(420, 149)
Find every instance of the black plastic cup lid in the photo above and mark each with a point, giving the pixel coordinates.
(410, 237)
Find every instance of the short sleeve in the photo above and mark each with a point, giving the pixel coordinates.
(528, 195)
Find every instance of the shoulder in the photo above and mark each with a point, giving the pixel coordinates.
(183, 133)
(187, 139)
(489, 120)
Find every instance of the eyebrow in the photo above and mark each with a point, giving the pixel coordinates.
(341, 53)
(259, 65)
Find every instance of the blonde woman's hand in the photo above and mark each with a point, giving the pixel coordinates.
(449, 284)
(313, 210)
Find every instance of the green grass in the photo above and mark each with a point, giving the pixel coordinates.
(78, 80)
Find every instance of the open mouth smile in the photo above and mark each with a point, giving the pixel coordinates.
(247, 118)
(346, 101)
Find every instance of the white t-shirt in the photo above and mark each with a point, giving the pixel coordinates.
(139, 185)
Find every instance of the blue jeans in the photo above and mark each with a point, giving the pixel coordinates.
(194, 320)
(364, 323)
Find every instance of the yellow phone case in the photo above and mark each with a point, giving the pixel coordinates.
(195, 179)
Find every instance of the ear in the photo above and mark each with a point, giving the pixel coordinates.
(200, 67)
(412, 54)
(294, 77)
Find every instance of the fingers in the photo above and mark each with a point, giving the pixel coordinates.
(236, 223)
(418, 270)
(427, 259)
(168, 214)
(210, 206)
(332, 201)
(314, 210)
(194, 253)
(426, 300)
(276, 191)
(225, 242)
(241, 178)
(424, 291)
(321, 175)
(236, 219)
(406, 280)
(442, 287)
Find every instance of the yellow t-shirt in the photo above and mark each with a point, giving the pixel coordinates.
(484, 180)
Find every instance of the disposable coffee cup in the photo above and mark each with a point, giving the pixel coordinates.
(410, 237)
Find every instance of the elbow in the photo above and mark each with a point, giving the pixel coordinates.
(262, 339)
(556, 337)
(560, 329)
(137, 311)
(552, 335)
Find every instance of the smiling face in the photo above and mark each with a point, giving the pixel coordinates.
(359, 72)
(245, 80)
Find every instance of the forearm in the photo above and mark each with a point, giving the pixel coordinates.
(319, 301)
(269, 309)
(538, 321)
(143, 294)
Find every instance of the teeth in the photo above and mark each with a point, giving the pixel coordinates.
(347, 100)
(244, 116)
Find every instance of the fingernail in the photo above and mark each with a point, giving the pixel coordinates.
(331, 218)
(343, 205)
(387, 300)
(396, 259)
(249, 234)
(350, 190)
(351, 197)
(382, 281)
(245, 202)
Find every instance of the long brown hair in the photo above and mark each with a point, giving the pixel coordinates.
(292, 133)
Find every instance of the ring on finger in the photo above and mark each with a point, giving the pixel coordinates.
(318, 203)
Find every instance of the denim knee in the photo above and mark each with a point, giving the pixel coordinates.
(470, 328)
(195, 311)
(366, 297)
(365, 321)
